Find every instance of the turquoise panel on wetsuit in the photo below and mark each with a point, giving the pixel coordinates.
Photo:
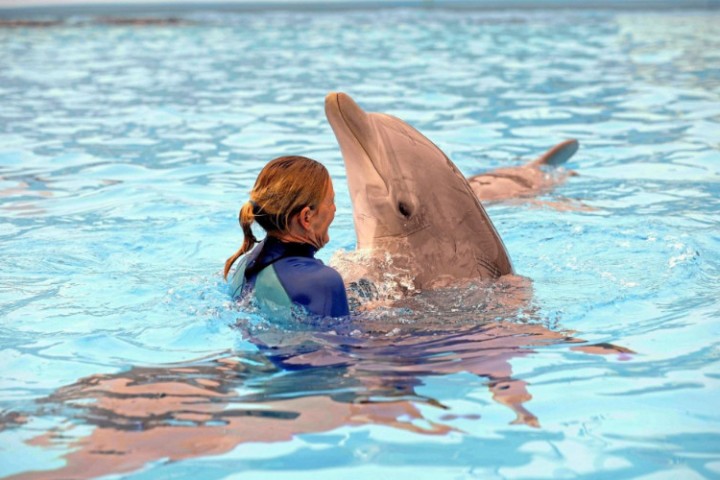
(268, 293)
(237, 282)
(271, 297)
(281, 275)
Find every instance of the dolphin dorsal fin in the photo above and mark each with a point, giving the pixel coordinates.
(557, 155)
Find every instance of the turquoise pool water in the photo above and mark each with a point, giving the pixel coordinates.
(125, 152)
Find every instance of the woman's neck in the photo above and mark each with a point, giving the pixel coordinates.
(295, 236)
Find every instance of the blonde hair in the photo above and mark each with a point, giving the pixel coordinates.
(284, 187)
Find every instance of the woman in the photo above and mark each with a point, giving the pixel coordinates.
(294, 202)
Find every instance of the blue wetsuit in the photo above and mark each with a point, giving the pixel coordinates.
(284, 275)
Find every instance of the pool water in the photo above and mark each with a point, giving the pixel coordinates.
(126, 151)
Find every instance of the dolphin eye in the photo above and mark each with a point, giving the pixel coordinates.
(404, 209)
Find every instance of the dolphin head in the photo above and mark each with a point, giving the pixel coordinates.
(409, 198)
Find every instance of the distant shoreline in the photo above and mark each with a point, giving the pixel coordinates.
(9, 9)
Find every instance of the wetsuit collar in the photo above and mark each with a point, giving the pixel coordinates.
(273, 249)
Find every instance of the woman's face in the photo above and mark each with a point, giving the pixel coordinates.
(323, 217)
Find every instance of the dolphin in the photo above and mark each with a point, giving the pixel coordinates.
(527, 180)
(411, 202)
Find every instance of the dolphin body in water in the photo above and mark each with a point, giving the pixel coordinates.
(411, 201)
(527, 180)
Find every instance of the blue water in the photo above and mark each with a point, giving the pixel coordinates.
(125, 152)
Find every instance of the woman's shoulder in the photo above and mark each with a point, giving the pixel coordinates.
(309, 270)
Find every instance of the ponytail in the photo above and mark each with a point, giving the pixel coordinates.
(246, 218)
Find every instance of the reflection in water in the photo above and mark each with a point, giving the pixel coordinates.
(319, 382)
(18, 195)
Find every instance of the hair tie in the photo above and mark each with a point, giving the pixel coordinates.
(255, 207)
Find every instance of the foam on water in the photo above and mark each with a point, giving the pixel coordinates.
(126, 150)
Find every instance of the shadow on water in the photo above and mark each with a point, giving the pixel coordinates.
(313, 379)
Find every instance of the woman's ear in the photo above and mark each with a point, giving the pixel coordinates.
(305, 216)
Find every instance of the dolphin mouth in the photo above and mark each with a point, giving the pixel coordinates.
(420, 227)
(333, 104)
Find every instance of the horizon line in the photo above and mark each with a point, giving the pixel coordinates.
(110, 7)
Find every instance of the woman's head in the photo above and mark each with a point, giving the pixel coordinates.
(290, 196)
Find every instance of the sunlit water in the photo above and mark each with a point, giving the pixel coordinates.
(125, 152)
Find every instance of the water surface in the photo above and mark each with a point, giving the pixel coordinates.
(126, 150)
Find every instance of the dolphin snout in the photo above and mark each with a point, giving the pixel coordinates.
(342, 103)
(330, 99)
(340, 100)
(346, 116)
